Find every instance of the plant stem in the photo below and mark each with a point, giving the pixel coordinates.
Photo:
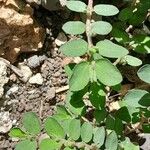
(88, 23)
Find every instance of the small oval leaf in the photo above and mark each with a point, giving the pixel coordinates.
(133, 97)
(74, 48)
(132, 61)
(101, 27)
(99, 136)
(31, 123)
(53, 128)
(17, 132)
(76, 6)
(49, 144)
(106, 10)
(86, 132)
(125, 14)
(74, 129)
(111, 141)
(74, 27)
(107, 73)
(144, 73)
(26, 145)
(80, 77)
(111, 50)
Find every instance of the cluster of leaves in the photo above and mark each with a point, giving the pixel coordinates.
(65, 132)
(92, 83)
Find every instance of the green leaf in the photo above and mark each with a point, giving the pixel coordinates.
(141, 44)
(65, 125)
(61, 114)
(100, 115)
(144, 73)
(132, 61)
(74, 48)
(76, 6)
(31, 123)
(74, 27)
(26, 145)
(86, 132)
(97, 95)
(53, 128)
(133, 97)
(74, 129)
(69, 69)
(80, 77)
(145, 100)
(137, 18)
(123, 114)
(119, 127)
(78, 110)
(120, 35)
(101, 27)
(127, 145)
(107, 73)
(17, 132)
(106, 10)
(109, 49)
(110, 122)
(125, 14)
(111, 141)
(48, 144)
(99, 136)
(146, 128)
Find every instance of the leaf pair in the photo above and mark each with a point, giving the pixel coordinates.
(105, 48)
(105, 72)
(78, 27)
(101, 9)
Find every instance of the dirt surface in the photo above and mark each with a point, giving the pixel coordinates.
(38, 90)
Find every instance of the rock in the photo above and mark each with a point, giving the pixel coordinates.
(36, 79)
(33, 61)
(42, 58)
(61, 39)
(3, 77)
(51, 93)
(18, 31)
(27, 73)
(12, 90)
(51, 5)
(5, 122)
(146, 145)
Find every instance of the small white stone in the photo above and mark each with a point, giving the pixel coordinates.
(27, 73)
(12, 90)
(61, 39)
(36, 79)
(5, 122)
(3, 77)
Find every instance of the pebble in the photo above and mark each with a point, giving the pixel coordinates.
(36, 79)
(27, 73)
(5, 122)
(12, 90)
(33, 61)
(51, 93)
(61, 39)
(3, 77)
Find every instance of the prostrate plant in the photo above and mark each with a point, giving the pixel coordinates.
(90, 119)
